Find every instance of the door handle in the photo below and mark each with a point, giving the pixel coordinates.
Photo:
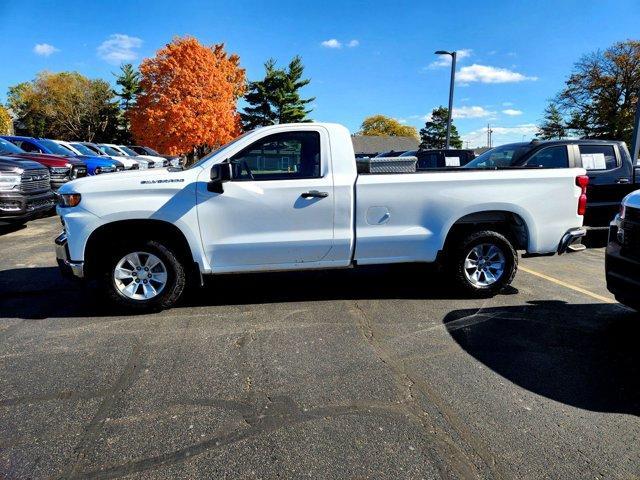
(314, 194)
(623, 180)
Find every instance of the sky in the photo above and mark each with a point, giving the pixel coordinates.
(363, 58)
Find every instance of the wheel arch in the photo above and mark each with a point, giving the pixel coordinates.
(510, 224)
(103, 238)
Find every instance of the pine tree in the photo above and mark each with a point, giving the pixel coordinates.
(276, 98)
(129, 82)
(553, 125)
(434, 133)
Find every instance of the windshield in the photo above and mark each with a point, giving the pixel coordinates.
(83, 149)
(151, 151)
(53, 147)
(7, 147)
(128, 151)
(500, 157)
(112, 152)
(220, 149)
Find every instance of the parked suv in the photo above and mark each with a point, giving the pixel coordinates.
(61, 169)
(89, 148)
(611, 172)
(174, 160)
(440, 158)
(96, 164)
(25, 191)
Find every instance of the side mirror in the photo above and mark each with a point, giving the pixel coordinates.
(220, 173)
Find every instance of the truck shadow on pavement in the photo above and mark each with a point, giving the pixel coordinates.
(586, 356)
(41, 292)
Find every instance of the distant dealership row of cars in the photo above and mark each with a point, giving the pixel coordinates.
(32, 169)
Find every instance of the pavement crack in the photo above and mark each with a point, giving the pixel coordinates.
(465, 463)
(91, 432)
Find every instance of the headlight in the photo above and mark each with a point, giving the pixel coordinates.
(69, 199)
(9, 181)
(622, 209)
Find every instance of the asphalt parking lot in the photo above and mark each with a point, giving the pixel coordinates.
(373, 373)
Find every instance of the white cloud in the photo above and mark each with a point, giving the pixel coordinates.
(500, 135)
(353, 43)
(44, 49)
(512, 112)
(471, 112)
(119, 48)
(331, 43)
(445, 60)
(488, 74)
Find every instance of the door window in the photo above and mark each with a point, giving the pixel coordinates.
(427, 160)
(281, 156)
(598, 157)
(28, 146)
(551, 157)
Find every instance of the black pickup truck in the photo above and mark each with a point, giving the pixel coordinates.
(25, 191)
(612, 174)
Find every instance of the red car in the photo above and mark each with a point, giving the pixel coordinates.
(61, 169)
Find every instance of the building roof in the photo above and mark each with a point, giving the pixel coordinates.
(377, 144)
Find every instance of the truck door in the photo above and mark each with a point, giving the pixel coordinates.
(610, 179)
(277, 209)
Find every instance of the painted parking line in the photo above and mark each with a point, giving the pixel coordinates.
(567, 285)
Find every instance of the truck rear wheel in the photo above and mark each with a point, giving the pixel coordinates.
(483, 263)
(143, 276)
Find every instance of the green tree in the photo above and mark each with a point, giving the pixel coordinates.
(129, 82)
(434, 133)
(64, 105)
(601, 94)
(553, 125)
(6, 124)
(381, 125)
(276, 98)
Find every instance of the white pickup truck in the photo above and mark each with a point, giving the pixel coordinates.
(289, 197)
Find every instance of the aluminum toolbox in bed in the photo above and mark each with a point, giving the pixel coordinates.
(387, 164)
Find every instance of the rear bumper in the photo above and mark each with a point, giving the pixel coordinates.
(67, 267)
(18, 207)
(572, 237)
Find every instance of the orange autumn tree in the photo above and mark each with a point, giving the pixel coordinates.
(188, 98)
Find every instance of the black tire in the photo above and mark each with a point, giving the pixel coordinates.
(166, 298)
(458, 252)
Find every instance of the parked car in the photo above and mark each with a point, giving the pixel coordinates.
(174, 160)
(95, 149)
(25, 190)
(288, 197)
(622, 259)
(61, 169)
(96, 164)
(441, 158)
(611, 172)
(115, 152)
(154, 162)
(390, 154)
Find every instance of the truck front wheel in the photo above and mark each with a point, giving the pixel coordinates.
(483, 263)
(144, 276)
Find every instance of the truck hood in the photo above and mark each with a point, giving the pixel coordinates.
(48, 159)
(632, 200)
(130, 180)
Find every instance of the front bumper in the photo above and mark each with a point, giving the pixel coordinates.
(67, 267)
(17, 207)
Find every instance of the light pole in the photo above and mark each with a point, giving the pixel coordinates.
(453, 79)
